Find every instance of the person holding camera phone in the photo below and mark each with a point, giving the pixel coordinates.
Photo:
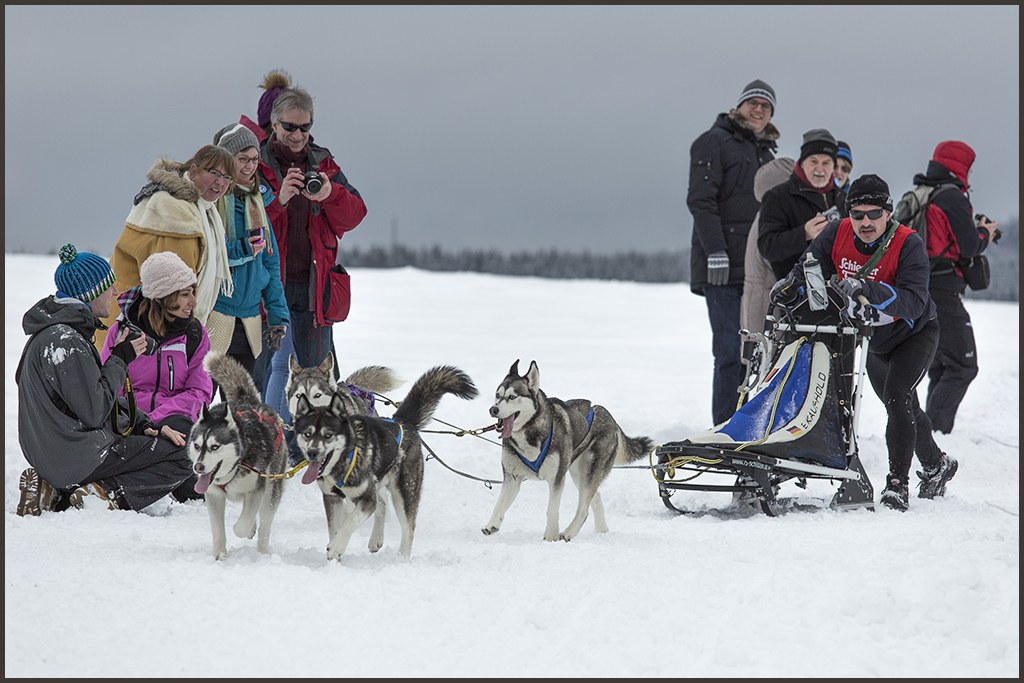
(168, 380)
(954, 235)
(315, 206)
(794, 213)
(80, 438)
(235, 325)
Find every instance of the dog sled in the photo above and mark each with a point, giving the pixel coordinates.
(796, 420)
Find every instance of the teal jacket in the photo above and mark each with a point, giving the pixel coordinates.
(256, 279)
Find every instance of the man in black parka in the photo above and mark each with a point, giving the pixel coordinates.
(723, 162)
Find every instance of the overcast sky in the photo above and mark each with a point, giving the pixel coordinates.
(507, 127)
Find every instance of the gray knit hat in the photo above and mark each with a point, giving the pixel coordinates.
(82, 275)
(235, 138)
(164, 273)
(757, 88)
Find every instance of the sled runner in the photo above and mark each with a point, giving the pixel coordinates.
(797, 419)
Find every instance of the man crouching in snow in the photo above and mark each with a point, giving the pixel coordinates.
(70, 426)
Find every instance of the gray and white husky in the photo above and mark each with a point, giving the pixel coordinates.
(354, 458)
(543, 438)
(318, 385)
(238, 450)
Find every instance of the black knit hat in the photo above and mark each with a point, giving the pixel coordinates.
(757, 89)
(818, 141)
(871, 190)
(82, 275)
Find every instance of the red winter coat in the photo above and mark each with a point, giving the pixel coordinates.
(328, 222)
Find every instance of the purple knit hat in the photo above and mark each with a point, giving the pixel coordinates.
(275, 83)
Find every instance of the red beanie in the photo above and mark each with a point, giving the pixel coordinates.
(956, 156)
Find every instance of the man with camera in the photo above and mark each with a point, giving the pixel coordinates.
(78, 436)
(793, 213)
(314, 207)
(954, 237)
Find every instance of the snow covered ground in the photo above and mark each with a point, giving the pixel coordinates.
(932, 592)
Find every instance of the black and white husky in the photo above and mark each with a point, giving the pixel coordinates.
(543, 438)
(354, 458)
(238, 450)
(318, 385)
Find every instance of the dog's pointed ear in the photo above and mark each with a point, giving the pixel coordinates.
(338, 404)
(327, 367)
(293, 363)
(206, 411)
(514, 370)
(302, 407)
(533, 375)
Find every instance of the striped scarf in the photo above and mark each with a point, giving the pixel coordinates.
(255, 214)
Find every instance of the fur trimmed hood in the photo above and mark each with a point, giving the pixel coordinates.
(168, 175)
(770, 131)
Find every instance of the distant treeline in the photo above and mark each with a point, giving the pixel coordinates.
(671, 266)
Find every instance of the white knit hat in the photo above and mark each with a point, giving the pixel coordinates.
(164, 273)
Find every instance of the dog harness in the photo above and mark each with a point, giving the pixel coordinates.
(351, 462)
(535, 464)
(262, 417)
(365, 395)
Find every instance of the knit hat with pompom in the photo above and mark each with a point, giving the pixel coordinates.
(82, 275)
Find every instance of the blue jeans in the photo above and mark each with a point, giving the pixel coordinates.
(723, 304)
(277, 378)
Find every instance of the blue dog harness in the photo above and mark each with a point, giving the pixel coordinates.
(535, 464)
(350, 462)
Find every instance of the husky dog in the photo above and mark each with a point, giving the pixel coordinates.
(544, 437)
(318, 385)
(237, 447)
(354, 457)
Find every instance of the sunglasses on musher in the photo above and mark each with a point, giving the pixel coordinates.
(292, 127)
(873, 214)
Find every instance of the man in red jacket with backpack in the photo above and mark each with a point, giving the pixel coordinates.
(953, 235)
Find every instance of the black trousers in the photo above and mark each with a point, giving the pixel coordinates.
(141, 470)
(956, 361)
(894, 376)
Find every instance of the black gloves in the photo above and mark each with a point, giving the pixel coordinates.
(718, 268)
(851, 287)
(785, 291)
(274, 334)
(125, 351)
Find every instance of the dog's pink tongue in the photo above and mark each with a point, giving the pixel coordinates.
(312, 472)
(506, 426)
(204, 481)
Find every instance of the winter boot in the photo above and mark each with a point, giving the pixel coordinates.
(933, 482)
(79, 495)
(36, 495)
(895, 494)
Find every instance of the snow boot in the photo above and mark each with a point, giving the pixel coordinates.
(79, 495)
(895, 495)
(37, 496)
(933, 482)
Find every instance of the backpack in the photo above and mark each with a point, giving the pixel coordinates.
(911, 210)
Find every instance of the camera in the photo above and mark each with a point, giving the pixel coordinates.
(996, 234)
(311, 182)
(134, 333)
(832, 214)
(256, 232)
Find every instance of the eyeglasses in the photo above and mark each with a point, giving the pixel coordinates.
(292, 127)
(245, 161)
(759, 104)
(217, 175)
(873, 214)
(844, 168)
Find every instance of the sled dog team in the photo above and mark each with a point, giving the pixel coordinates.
(359, 459)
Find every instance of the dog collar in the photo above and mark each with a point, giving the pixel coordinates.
(351, 466)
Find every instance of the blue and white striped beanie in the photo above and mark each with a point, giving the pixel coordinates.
(757, 88)
(82, 275)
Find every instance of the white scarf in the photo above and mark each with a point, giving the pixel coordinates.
(214, 275)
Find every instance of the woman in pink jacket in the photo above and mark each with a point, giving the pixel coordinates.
(168, 381)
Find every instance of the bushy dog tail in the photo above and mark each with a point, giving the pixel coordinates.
(418, 407)
(632, 449)
(234, 379)
(375, 378)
